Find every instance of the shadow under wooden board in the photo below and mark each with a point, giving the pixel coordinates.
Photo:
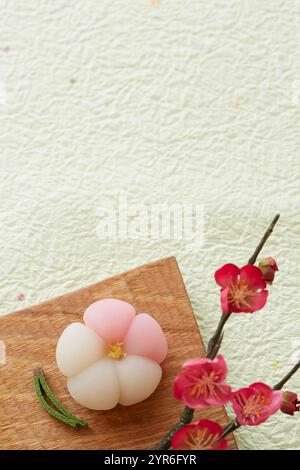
(31, 336)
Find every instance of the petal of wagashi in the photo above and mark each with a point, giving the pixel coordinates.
(78, 348)
(138, 378)
(146, 338)
(109, 318)
(97, 387)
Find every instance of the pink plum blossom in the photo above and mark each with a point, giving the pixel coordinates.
(242, 289)
(255, 404)
(201, 383)
(202, 435)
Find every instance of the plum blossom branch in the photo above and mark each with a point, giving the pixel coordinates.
(234, 425)
(213, 347)
(214, 343)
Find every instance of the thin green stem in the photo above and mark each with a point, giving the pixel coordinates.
(59, 412)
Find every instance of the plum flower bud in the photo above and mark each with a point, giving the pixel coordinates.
(290, 403)
(268, 267)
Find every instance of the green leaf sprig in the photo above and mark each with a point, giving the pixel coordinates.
(52, 405)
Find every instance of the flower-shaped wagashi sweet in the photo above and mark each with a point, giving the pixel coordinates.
(113, 358)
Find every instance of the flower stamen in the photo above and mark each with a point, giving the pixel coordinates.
(200, 439)
(115, 351)
(241, 294)
(254, 406)
(205, 385)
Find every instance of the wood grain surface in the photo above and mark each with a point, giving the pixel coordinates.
(31, 336)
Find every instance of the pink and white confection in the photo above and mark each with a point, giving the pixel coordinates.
(114, 357)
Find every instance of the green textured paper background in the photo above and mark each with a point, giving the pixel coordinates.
(180, 102)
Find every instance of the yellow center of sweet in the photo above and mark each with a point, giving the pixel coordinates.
(115, 351)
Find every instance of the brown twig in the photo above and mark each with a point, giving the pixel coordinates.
(217, 337)
(287, 377)
(261, 244)
(185, 418)
(232, 426)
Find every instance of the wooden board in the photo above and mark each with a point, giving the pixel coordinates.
(31, 336)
